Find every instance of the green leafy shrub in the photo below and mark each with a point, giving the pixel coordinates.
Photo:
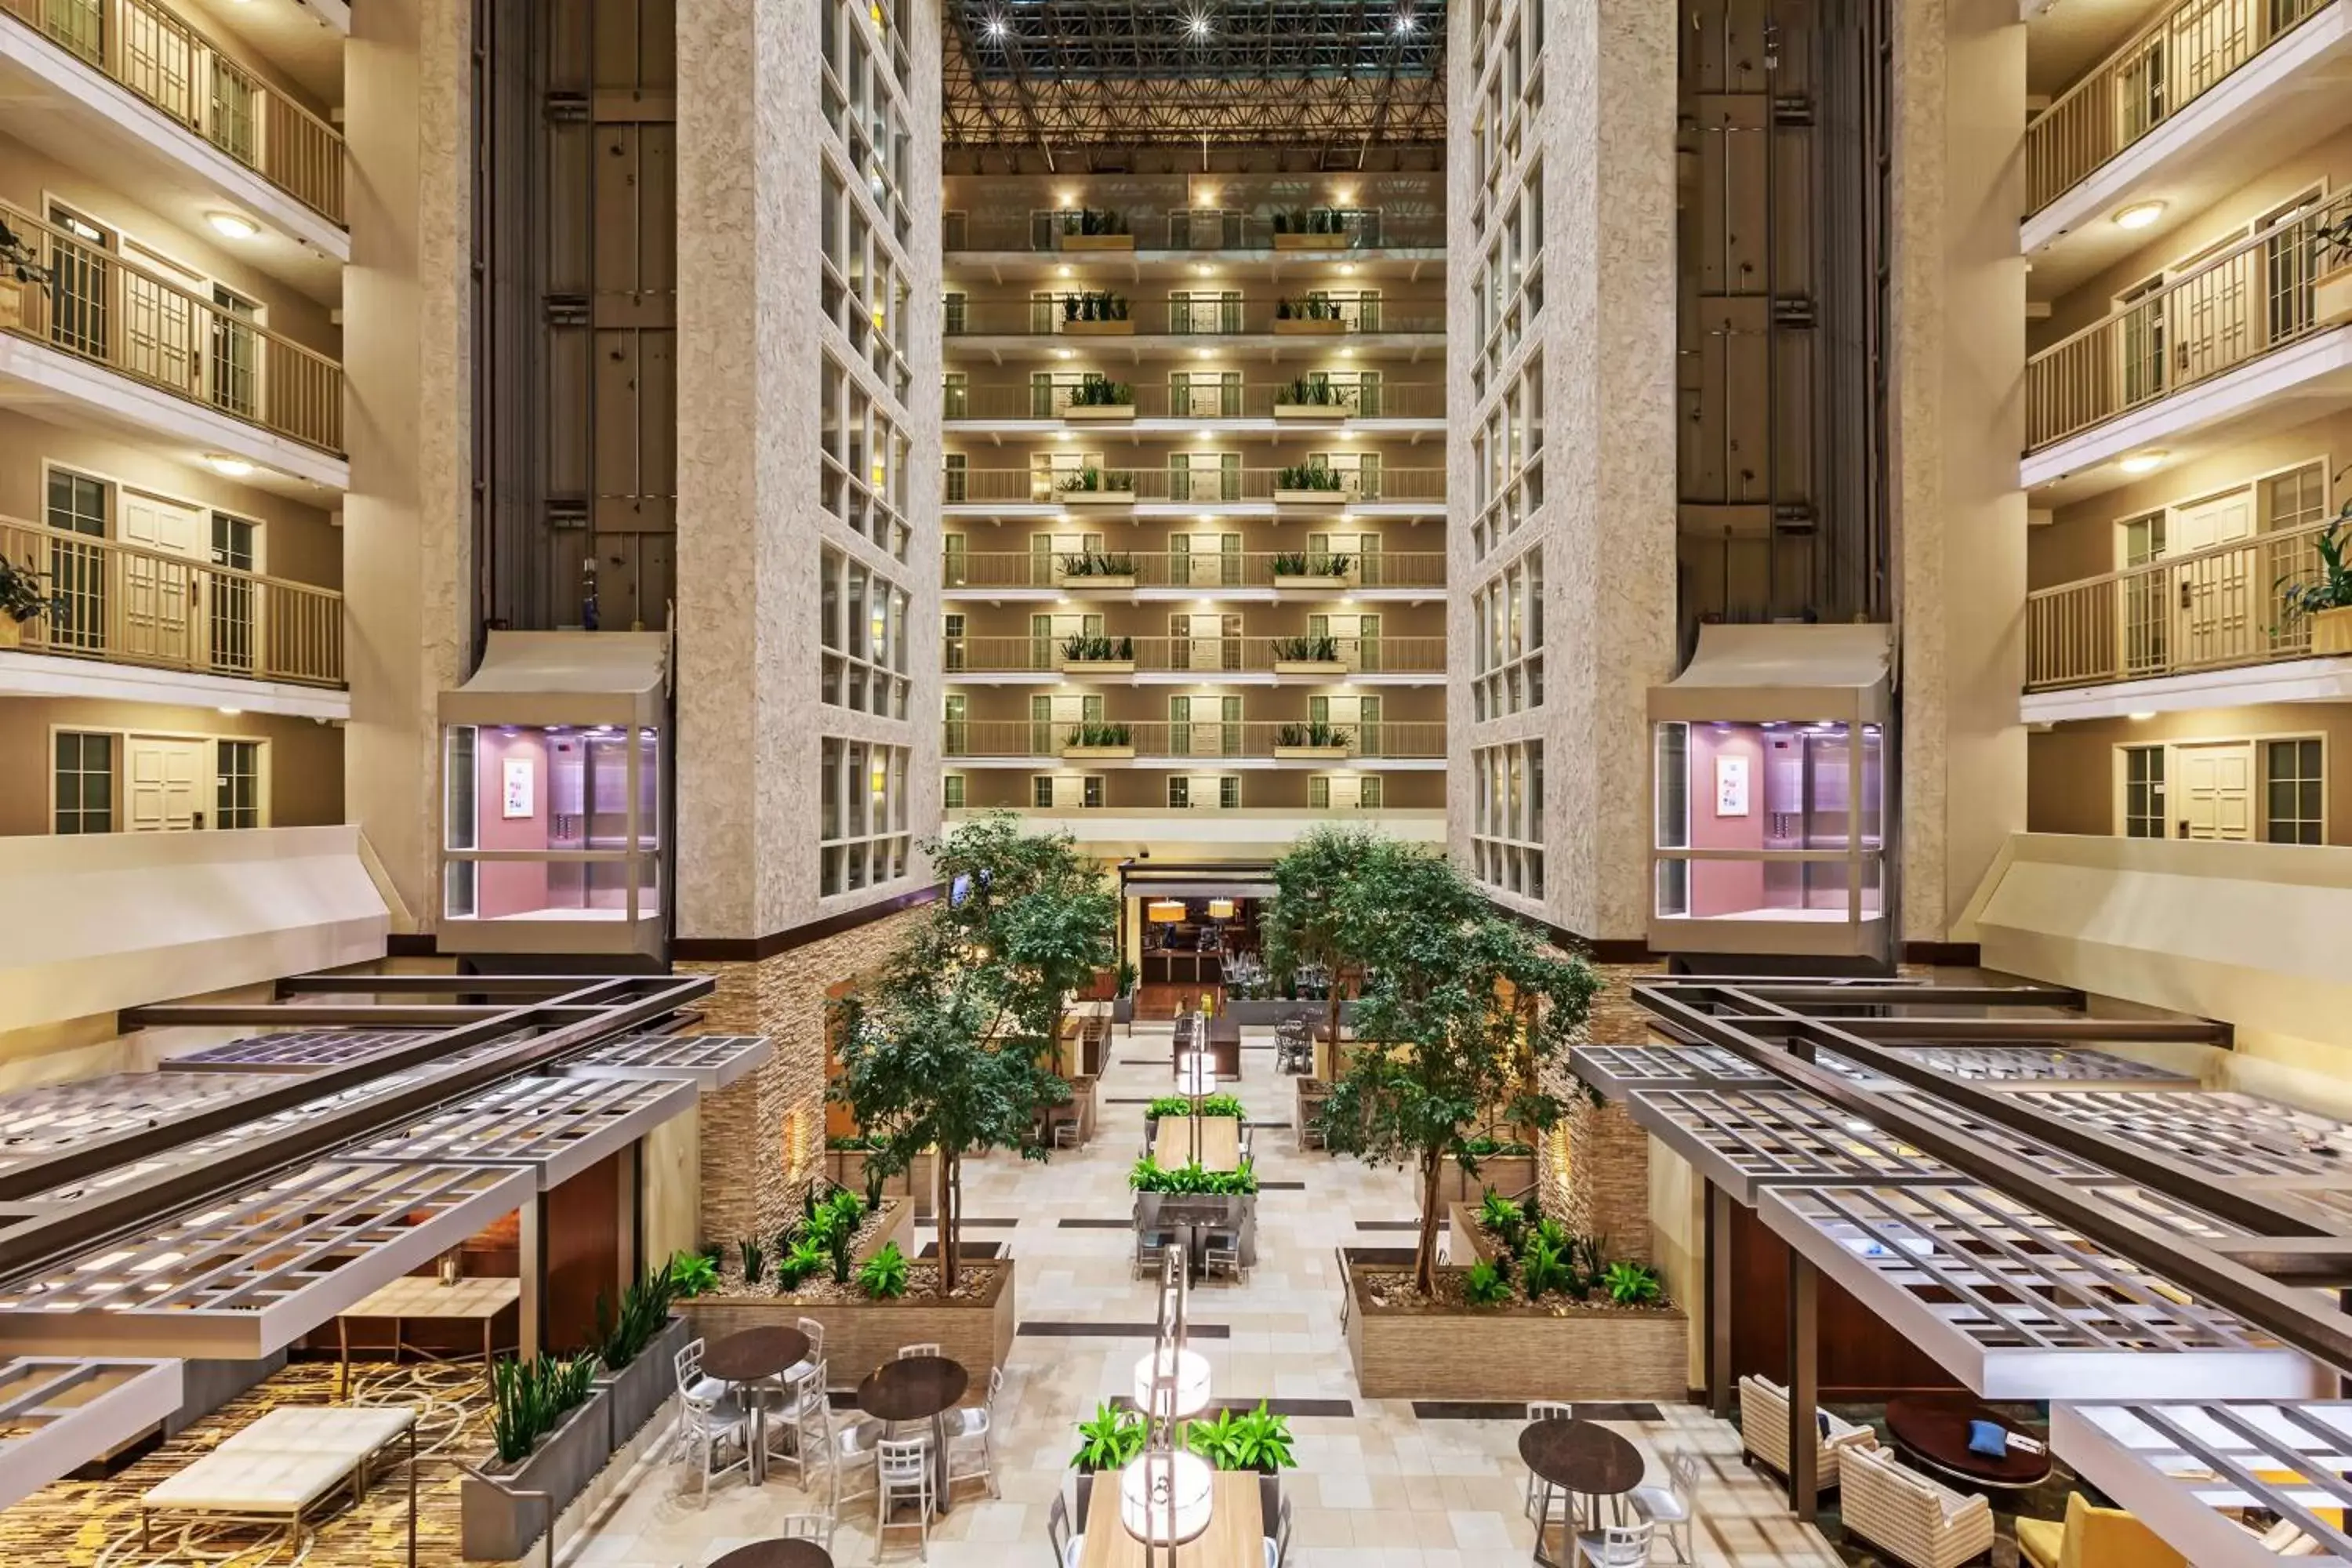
(1101, 391)
(532, 1398)
(694, 1273)
(1311, 563)
(883, 1277)
(1308, 477)
(796, 1262)
(1150, 1176)
(1109, 1438)
(1311, 649)
(1631, 1284)
(644, 1311)
(1083, 648)
(1100, 734)
(1211, 1105)
(1315, 732)
(1484, 1285)
(1544, 1268)
(1244, 1440)
(1502, 1219)
(1097, 563)
(755, 1260)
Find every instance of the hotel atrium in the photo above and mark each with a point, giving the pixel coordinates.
(1386, 784)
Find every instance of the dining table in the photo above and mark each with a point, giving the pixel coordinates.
(775, 1555)
(751, 1360)
(919, 1388)
(1582, 1458)
(1220, 1142)
(1235, 1536)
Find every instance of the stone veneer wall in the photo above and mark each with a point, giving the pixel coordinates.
(1593, 1168)
(756, 1157)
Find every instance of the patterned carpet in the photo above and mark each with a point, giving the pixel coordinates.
(95, 1525)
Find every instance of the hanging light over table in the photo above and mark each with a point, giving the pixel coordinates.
(1221, 909)
(1183, 1377)
(1163, 1498)
(1164, 911)
(1196, 1075)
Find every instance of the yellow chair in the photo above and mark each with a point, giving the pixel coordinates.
(2094, 1537)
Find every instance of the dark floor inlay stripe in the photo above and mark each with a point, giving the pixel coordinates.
(1635, 1411)
(1467, 1410)
(1037, 1329)
(1005, 1221)
(1388, 1225)
(1282, 1186)
(1284, 1126)
(964, 1249)
(1148, 1062)
(1128, 1224)
(1385, 1256)
(1296, 1407)
(1115, 1099)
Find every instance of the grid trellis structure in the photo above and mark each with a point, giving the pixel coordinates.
(2190, 1460)
(711, 1062)
(559, 1124)
(58, 1412)
(1294, 73)
(2039, 1064)
(298, 1051)
(2215, 1132)
(35, 1123)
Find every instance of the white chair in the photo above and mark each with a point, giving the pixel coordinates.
(902, 1473)
(1545, 1410)
(1067, 1548)
(1908, 1517)
(1764, 1432)
(1223, 1255)
(1616, 1545)
(849, 1451)
(974, 1426)
(1277, 1545)
(926, 1348)
(1673, 1508)
(709, 1426)
(805, 1417)
(817, 1527)
(800, 1369)
(1065, 1132)
(691, 1385)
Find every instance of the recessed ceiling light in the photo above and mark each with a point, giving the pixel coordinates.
(1061, 435)
(2140, 215)
(222, 463)
(1203, 434)
(1066, 353)
(237, 225)
(2143, 462)
(1200, 354)
(2140, 718)
(1198, 25)
(994, 30)
(1405, 23)
(1346, 353)
(1347, 269)
(1200, 267)
(232, 712)
(1061, 272)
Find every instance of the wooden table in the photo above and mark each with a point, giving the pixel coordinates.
(919, 1388)
(1582, 1458)
(752, 1356)
(1236, 1536)
(1220, 1142)
(1933, 1428)
(422, 1295)
(776, 1554)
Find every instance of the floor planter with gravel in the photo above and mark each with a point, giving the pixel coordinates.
(1403, 1347)
(846, 1168)
(975, 1326)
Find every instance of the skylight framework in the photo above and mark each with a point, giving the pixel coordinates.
(2218, 1134)
(711, 1062)
(1337, 76)
(35, 1123)
(2186, 1468)
(558, 1125)
(58, 1413)
(296, 1050)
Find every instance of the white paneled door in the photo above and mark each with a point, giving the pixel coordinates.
(2215, 795)
(163, 783)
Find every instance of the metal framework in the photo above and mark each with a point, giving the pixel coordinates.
(2178, 1464)
(58, 1412)
(558, 1125)
(37, 1124)
(711, 1062)
(1334, 76)
(297, 1050)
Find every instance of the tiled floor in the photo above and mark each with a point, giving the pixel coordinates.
(1381, 1488)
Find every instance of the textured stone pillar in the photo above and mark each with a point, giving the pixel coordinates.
(408, 419)
(1957, 423)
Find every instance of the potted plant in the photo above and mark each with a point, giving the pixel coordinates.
(1109, 1440)
(1311, 397)
(1256, 1440)
(2331, 291)
(1310, 484)
(1097, 398)
(1096, 314)
(1124, 981)
(552, 1431)
(2325, 595)
(1313, 315)
(1091, 486)
(1088, 652)
(1315, 740)
(1087, 229)
(637, 1350)
(20, 266)
(1320, 229)
(1096, 569)
(1095, 739)
(23, 600)
(1311, 568)
(1311, 655)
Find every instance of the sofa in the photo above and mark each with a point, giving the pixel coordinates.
(1906, 1516)
(2094, 1537)
(1764, 1432)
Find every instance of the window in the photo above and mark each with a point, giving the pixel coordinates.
(951, 795)
(1041, 792)
(1067, 791)
(236, 788)
(2294, 810)
(862, 625)
(78, 512)
(1506, 822)
(863, 838)
(85, 783)
(1507, 620)
(2144, 808)
(1190, 792)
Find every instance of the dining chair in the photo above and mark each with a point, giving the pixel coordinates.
(817, 1527)
(1673, 1508)
(1548, 1410)
(902, 1473)
(805, 1417)
(928, 1347)
(976, 1424)
(707, 1426)
(1616, 1545)
(1067, 1548)
(1277, 1545)
(814, 1333)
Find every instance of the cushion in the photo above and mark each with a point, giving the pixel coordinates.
(1822, 1418)
(1988, 1438)
(2040, 1541)
(2112, 1538)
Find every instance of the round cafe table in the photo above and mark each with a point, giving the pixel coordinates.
(750, 1357)
(776, 1554)
(1581, 1458)
(919, 1388)
(1934, 1430)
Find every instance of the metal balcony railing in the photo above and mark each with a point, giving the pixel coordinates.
(1205, 570)
(96, 306)
(1208, 655)
(1199, 228)
(191, 81)
(1206, 486)
(1205, 399)
(1203, 315)
(121, 604)
(2211, 609)
(1157, 739)
(2168, 65)
(2250, 301)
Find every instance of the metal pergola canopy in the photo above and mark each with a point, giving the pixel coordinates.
(1616, 1071)
(296, 1050)
(558, 1126)
(41, 1123)
(2223, 1135)
(2019, 1305)
(2178, 1464)
(236, 1278)
(1742, 1139)
(711, 1062)
(58, 1413)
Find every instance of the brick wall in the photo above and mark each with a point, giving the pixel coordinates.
(763, 1135)
(1593, 1168)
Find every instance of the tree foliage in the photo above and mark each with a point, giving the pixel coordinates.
(1462, 1011)
(1309, 920)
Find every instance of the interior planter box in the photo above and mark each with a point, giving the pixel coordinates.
(1309, 753)
(2331, 632)
(1509, 1174)
(1313, 241)
(1221, 1211)
(639, 1391)
(1466, 1242)
(1310, 666)
(1097, 498)
(1309, 580)
(861, 1335)
(1095, 753)
(1075, 580)
(501, 1529)
(1332, 412)
(1098, 666)
(1310, 498)
(1505, 1354)
(2331, 297)
(1097, 242)
(846, 1167)
(1099, 411)
(1085, 329)
(1303, 327)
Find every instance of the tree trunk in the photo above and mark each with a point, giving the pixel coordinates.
(1332, 1020)
(1424, 1258)
(947, 1220)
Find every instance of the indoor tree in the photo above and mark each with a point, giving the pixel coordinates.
(1039, 912)
(1462, 1009)
(1306, 922)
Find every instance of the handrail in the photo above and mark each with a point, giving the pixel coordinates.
(95, 305)
(2248, 301)
(1204, 569)
(1201, 739)
(1209, 315)
(124, 604)
(1205, 398)
(1196, 230)
(1205, 487)
(197, 85)
(2167, 65)
(1208, 654)
(2208, 609)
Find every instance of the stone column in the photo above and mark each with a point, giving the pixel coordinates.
(1957, 423)
(408, 419)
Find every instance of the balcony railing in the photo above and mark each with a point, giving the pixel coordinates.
(1208, 654)
(1197, 229)
(1203, 315)
(1250, 738)
(1205, 570)
(98, 307)
(1202, 487)
(124, 605)
(2212, 609)
(2252, 299)
(2168, 66)
(1207, 400)
(189, 79)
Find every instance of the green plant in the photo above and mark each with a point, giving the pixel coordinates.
(1319, 477)
(1244, 1440)
(1631, 1284)
(22, 598)
(2330, 587)
(1545, 1267)
(1097, 563)
(1109, 1438)
(2331, 244)
(1091, 481)
(531, 1399)
(1590, 1254)
(755, 1260)
(1179, 1105)
(883, 1277)
(694, 1273)
(645, 1313)
(795, 1264)
(1084, 648)
(1095, 733)
(1308, 308)
(1309, 649)
(1125, 978)
(1100, 390)
(1148, 1175)
(21, 261)
(1314, 732)
(1500, 1216)
(1483, 1284)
